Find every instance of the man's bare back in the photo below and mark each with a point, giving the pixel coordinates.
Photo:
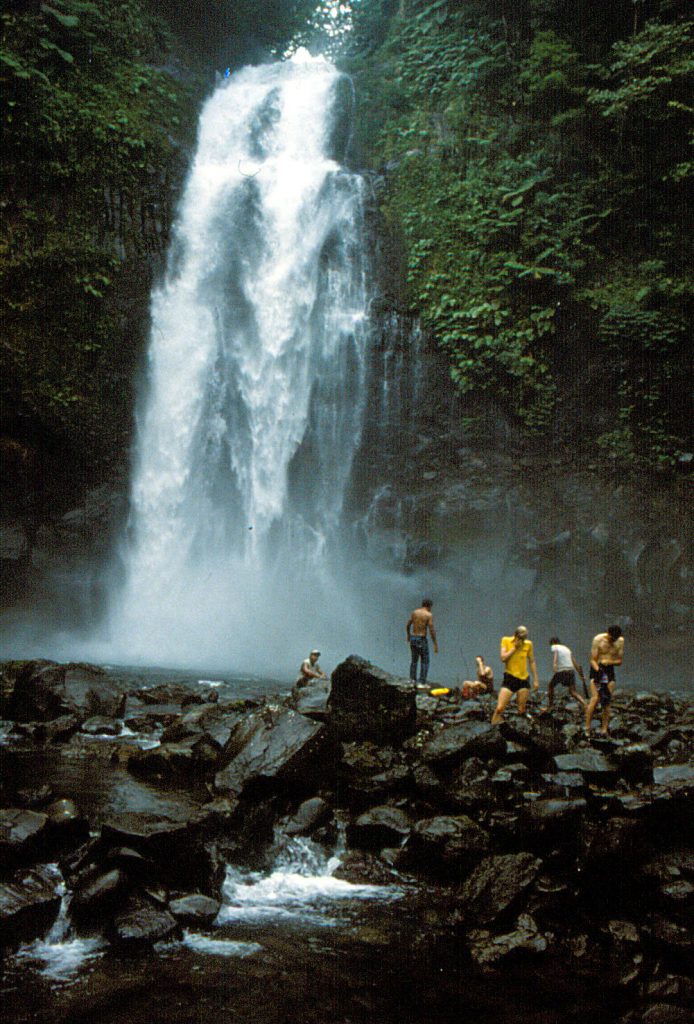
(419, 623)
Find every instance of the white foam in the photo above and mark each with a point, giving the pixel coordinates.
(60, 961)
(220, 947)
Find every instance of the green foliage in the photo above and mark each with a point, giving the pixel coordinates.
(536, 155)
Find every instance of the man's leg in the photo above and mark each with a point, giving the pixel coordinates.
(424, 669)
(550, 692)
(414, 651)
(605, 716)
(576, 695)
(591, 706)
(504, 697)
(523, 699)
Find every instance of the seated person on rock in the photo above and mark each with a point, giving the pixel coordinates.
(484, 682)
(310, 669)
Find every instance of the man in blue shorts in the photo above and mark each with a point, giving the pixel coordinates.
(607, 650)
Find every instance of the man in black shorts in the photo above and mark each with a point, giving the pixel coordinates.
(564, 667)
(607, 650)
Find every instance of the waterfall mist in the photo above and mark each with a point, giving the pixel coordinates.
(255, 391)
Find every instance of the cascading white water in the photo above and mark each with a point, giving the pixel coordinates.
(256, 381)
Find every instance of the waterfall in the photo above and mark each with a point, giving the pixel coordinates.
(256, 379)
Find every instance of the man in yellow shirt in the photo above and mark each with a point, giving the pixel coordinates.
(516, 653)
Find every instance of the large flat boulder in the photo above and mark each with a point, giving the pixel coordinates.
(497, 885)
(21, 833)
(29, 905)
(367, 703)
(45, 690)
(456, 743)
(282, 749)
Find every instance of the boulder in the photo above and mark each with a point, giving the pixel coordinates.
(21, 834)
(497, 886)
(285, 750)
(176, 847)
(456, 743)
(551, 820)
(543, 738)
(367, 703)
(309, 816)
(444, 842)
(195, 909)
(312, 700)
(29, 904)
(594, 766)
(379, 827)
(98, 893)
(142, 923)
(45, 690)
(98, 725)
(488, 950)
(667, 1013)
(634, 762)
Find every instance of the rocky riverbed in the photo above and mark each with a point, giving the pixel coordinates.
(356, 849)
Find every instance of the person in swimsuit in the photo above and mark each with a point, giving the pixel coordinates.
(607, 650)
(516, 653)
(484, 682)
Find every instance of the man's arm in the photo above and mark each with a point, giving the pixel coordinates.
(579, 668)
(594, 653)
(408, 627)
(432, 630)
(554, 662)
(619, 651)
(533, 669)
(506, 651)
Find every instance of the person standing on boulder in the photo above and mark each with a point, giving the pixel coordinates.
(421, 622)
(310, 669)
(516, 653)
(564, 668)
(607, 650)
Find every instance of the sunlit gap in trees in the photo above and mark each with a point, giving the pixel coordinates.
(325, 31)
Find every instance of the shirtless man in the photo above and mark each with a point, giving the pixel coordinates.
(310, 669)
(516, 652)
(607, 651)
(419, 623)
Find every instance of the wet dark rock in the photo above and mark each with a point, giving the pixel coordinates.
(670, 935)
(455, 743)
(444, 842)
(33, 798)
(97, 894)
(29, 905)
(197, 755)
(612, 846)
(368, 774)
(542, 738)
(176, 847)
(677, 776)
(634, 762)
(21, 834)
(359, 867)
(549, 820)
(37, 693)
(666, 1013)
(45, 690)
(195, 909)
(367, 703)
(132, 862)
(58, 730)
(497, 886)
(593, 765)
(379, 827)
(286, 750)
(488, 950)
(164, 693)
(100, 726)
(568, 784)
(141, 922)
(310, 815)
(312, 700)
(66, 824)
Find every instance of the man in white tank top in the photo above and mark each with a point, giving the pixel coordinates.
(564, 668)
